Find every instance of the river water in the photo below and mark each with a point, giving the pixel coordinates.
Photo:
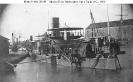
(44, 72)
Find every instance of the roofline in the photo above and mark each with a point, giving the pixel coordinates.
(110, 22)
(67, 29)
(4, 37)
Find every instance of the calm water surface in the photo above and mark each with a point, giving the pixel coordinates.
(44, 72)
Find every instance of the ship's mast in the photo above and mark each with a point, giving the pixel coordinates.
(108, 25)
(93, 23)
(121, 35)
(48, 18)
(95, 32)
(121, 20)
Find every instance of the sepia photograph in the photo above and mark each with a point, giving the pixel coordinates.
(74, 42)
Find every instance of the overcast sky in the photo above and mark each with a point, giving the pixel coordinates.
(31, 19)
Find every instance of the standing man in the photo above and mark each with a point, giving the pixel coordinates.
(89, 51)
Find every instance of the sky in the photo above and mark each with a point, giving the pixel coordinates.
(33, 19)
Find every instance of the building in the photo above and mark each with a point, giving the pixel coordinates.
(4, 46)
(116, 31)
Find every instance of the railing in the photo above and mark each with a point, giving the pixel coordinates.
(61, 34)
(56, 45)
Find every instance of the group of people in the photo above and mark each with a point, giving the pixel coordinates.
(114, 50)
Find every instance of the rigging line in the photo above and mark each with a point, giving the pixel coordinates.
(95, 30)
(57, 45)
(63, 53)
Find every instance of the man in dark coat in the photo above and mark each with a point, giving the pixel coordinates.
(89, 53)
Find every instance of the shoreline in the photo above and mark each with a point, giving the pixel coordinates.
(7, 62)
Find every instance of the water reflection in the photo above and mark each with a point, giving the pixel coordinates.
(8, 76)
(44, 72)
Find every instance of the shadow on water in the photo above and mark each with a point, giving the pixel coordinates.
(8, 73)
(45, 72)
(54, 69)
(7, 76)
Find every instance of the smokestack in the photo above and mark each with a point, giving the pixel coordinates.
(55, 24)
(12, 39)
(31, 38)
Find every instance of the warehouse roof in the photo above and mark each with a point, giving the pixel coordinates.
(111, 23)
(4, 38)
